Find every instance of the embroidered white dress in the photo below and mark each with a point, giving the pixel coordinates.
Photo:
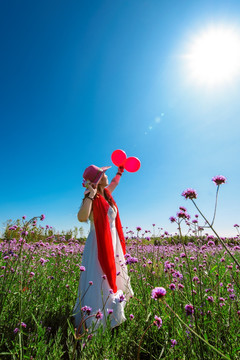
(97, 296)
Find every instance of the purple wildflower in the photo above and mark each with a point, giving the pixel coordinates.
(16, 330)
(210, 299)
(158, 293)
(173, 342)
(121, 298)
(172, 286)
(42, 217)
(99, 315)
(158, 321)
(189, 309)
(131, 316)
(183, 215)
(219, 179)
(189, 194)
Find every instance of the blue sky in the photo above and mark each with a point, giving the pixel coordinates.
(80, 79)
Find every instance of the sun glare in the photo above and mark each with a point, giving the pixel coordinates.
(214, 56)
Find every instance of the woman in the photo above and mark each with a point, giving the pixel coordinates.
(104, 285)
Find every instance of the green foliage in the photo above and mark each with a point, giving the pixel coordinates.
(38, 287)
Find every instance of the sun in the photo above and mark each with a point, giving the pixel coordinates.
(214, 56)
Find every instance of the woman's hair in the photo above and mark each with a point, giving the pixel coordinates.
(108, 198)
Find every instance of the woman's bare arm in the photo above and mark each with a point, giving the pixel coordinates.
(114, 183)
(86, 207)
(85, 210)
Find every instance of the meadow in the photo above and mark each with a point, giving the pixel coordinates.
(185, 303)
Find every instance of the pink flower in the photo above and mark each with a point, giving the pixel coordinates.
(173, 342)
(189, 309)
(210, 299)
(189, 194)
(82, 268)
(131, 316)
(121, 298)
(219, 179)
(99, 315)
(182, 208)
(158, 321)
(158, 293)
(183, 215)
(42, 217)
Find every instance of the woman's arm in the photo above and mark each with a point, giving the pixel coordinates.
(86, 207)
(115, 181)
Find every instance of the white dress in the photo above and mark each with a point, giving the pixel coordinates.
(97, 296)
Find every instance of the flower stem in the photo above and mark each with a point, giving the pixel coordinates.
(138, 355)
(207, 343)
(215, 206)
(235, 260)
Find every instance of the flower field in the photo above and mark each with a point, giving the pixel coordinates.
(186, 302)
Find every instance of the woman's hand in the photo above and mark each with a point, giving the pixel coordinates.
(91, 190)
(121, 169)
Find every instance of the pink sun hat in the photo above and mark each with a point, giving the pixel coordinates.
(94, 173)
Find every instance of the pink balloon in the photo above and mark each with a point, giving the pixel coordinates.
(118, 157)
(132, 164)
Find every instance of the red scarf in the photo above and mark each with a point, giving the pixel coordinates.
(104, 237)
